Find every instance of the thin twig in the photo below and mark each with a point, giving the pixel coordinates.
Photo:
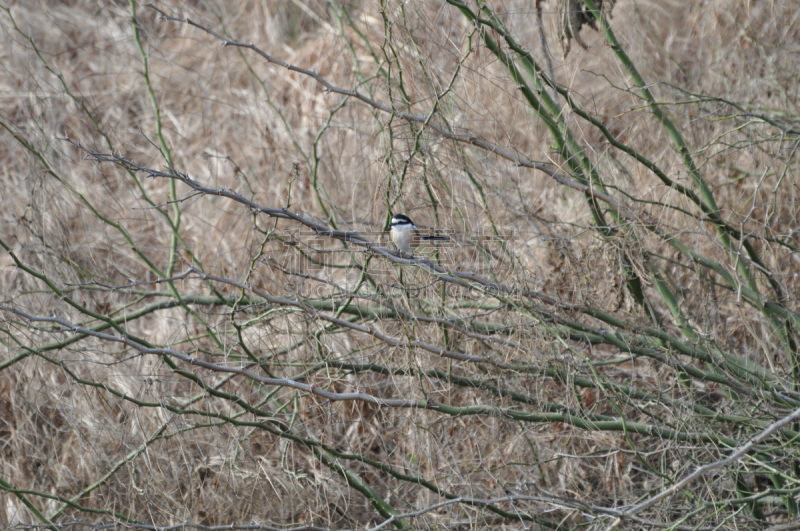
(735, 456)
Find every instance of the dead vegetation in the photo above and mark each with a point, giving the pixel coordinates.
(203, 321)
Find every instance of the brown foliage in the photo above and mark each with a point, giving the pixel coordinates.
(579, 356)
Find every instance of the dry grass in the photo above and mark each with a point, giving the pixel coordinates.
(176, 444)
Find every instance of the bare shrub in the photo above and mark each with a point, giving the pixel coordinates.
(205, 323)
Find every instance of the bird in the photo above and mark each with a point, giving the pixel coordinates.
(406, 236)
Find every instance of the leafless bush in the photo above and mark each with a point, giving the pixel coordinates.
(205, 324)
